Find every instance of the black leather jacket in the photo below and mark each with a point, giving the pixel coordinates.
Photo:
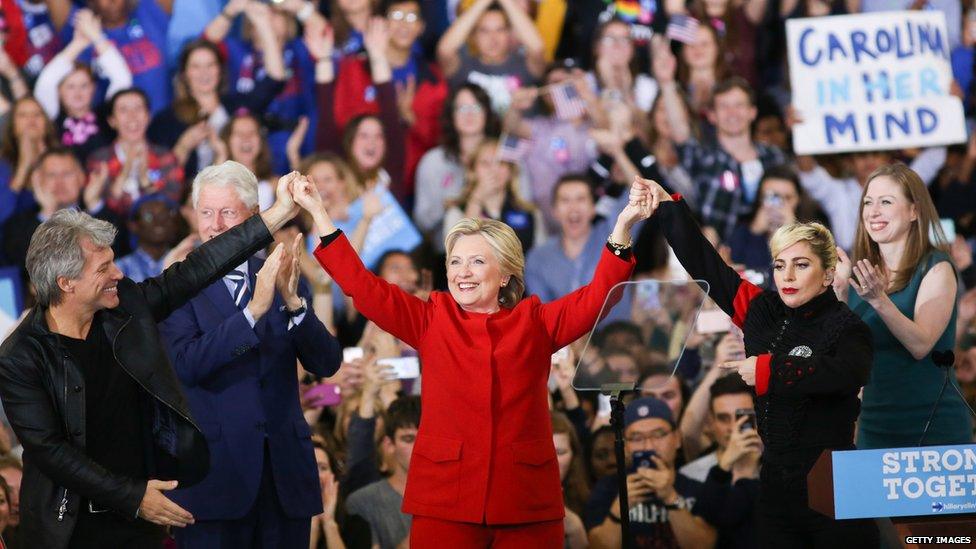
(43, 394)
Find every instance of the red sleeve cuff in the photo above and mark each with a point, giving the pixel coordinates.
(762, 373)
(676, 196)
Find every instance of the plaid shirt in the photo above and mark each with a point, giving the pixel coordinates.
(717, 177)
(163, 173)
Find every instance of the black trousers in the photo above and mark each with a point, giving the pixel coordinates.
(101, 530)
(786, 520)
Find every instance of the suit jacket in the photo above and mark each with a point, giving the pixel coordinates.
(484, 447)
(43, 393)
(242, 386)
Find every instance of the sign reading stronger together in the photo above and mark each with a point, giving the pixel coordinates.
(896, 482)
(872, 82)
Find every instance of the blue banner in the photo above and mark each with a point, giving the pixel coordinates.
(898, 482)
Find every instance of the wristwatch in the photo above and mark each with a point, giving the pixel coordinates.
(297, 312)
(679, 503)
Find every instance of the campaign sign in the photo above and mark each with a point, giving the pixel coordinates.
(898, 482)
(11, 303)
(392, 229)
(871, 82)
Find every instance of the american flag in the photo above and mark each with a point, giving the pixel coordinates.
(567, 101)
(511, 148)
(682, 28)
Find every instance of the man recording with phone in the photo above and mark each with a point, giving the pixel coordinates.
(731, 473)
(661, 500)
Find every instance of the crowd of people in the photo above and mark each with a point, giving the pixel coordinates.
(172, 123)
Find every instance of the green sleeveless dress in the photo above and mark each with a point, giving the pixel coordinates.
(901, 391)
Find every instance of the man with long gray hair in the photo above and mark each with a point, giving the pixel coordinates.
(89, 390)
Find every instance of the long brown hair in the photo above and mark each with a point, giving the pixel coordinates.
(10, 143)
(185, 106)
(262, 164)
(918, 245)
(341, 25)
(512, 190)
(576, 489)
(349, 135)
(720, 68)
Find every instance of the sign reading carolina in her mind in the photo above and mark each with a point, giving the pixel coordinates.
(872, 82)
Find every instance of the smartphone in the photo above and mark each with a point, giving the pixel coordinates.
(350, 354)
(713, 321)
(772, 200)
(407, 367)
(642, 460)
(324, 394)
(603, 405)
(750, 423)
(646, 294)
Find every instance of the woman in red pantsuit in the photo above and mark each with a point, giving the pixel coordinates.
(483, 471)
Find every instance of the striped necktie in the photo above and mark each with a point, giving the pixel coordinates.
(242, 295)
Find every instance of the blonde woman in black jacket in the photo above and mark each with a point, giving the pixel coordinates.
(808, 357)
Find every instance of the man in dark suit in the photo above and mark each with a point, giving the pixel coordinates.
(57, 182)
(234, 348)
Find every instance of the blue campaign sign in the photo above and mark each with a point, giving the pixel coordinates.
(392, 229)
(898, 482)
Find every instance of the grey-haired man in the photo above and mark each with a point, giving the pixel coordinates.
(90, 393)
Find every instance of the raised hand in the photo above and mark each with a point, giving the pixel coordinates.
(745, 368)
(88, 25)
(158, 509)
(377, 37)
(96, 185)
(870, 282)
(264, 288)
(293, 148)
(258, 13)
(405, 94)
(372, 205)
(319, 38)
(283, 193)
(287, 280)
(842, 274)
(663, 63)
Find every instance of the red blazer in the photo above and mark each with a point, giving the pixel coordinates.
(484, 450)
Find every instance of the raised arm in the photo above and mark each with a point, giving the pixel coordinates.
(528, 35)
(449, 47)
(46, 88)
(665, 65)
(110, 60)
(211, 261)
(395, 311)
(696, 254)
(220, 26)
(259, 15)
(319, 40)
(573, 315)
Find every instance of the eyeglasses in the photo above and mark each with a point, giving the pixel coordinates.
(408, 16)
(639, 438)
(227, 214)
(615, 40)
(470, 108)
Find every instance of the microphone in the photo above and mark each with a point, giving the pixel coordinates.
(945, 360)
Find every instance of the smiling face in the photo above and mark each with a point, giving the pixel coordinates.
(474, 274)
(469, 115)
(799, 274)
(219, 208)
(76, 91)
(96, 287)
(732, 113)
(244, 141)
(615, 46)
(130, 117)
(702, 53)
(29, 120)
(573, 208)
(888, 215)
(368, 144)
(202, 71)
(331, 187)
(492, 37)
(406, 24)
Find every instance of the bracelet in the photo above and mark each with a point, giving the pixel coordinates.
(617, 248)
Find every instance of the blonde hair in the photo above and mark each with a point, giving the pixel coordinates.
(817, 236)
(918, 244)
(507, 248)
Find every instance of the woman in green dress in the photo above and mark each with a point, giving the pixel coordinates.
(905, 290)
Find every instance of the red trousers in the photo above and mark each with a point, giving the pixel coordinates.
(438, 533)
